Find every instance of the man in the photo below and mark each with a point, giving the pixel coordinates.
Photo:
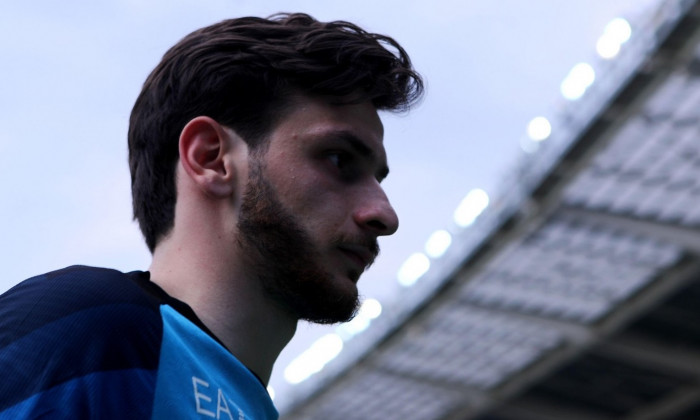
(256, 159)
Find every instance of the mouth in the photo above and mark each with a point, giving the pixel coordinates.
(361, 256)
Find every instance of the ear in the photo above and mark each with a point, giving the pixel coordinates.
(206, 155)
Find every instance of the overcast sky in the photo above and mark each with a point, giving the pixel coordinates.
(71, 71)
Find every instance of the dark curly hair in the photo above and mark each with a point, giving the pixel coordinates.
(242, 73)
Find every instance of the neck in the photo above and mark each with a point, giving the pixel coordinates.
(229, 301)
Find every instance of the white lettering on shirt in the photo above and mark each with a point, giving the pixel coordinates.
(198, 396)
(222, 403)
(222, 406)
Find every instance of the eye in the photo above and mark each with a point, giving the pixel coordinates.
(339, 159)
(345, 163)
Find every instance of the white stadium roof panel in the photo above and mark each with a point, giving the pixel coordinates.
(571, 270)
(372, 395)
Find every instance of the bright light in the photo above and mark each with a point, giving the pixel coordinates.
(314, 358)
(619, 30)
(438, 243)
(352, 328)
(471, 207)
(616, 33)
(370, 309)
(539, 129)
(271, 391)
(607, 48)
(577, 81)
(415, 266)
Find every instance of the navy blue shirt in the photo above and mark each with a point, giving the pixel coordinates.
(87, 342)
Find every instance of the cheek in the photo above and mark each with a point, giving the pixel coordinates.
(302, 191)
(318, 203)
(324, 213)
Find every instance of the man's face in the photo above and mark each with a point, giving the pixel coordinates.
(313, 208)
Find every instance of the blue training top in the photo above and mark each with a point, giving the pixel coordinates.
(87, 342)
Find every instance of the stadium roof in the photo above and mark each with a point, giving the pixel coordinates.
(576, 294)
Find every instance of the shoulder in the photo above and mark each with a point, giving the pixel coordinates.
(83, 283)
(72, 324)
(85, 296)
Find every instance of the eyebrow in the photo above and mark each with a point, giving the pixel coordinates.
(363, 150)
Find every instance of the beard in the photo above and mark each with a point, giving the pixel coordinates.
(286, 261)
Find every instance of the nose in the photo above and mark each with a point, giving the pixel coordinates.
(376, 213)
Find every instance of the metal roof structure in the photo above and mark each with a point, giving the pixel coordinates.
(576, 295)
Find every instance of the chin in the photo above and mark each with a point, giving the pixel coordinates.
(337, 301)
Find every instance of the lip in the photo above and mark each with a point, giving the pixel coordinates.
(361, 255)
